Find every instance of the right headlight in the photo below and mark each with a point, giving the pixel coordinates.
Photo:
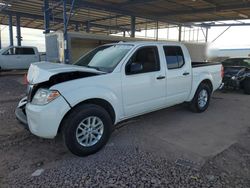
(44, 96)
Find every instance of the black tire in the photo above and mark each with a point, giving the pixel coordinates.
(246, 86)
(72, 121)
(194, 105)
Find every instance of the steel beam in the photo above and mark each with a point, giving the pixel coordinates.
(135, 2)
(76, 27)
(106, 18)
(206, 36)
(180, 33)
(60, 20)
(18, 31)
(157, 30)
(132, 26)
(221, 34)
(222, 25)
(65, 33)
(11, 30)
(88, 27)
(0, 37)
(226, 7)
(120, 10)
(46, 12)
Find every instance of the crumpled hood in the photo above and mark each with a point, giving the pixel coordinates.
(43, 71)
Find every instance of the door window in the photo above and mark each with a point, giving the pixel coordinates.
(20, 51)
(25, 51)
(11, 51)
(174, 57)
(145, 59)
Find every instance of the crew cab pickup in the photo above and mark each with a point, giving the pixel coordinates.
(84, 101)
(17, 57)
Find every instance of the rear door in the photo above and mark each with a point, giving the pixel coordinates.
(26, 56)
(178, 70)
(145, 90)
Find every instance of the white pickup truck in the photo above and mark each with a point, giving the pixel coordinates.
(110, 84)
(18, 57)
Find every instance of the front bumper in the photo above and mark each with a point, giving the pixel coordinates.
(43, 120)
(21, 114)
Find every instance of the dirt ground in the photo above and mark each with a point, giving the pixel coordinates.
(168, 148)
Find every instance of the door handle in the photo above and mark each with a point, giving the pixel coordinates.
(185, 73)
(160, 77)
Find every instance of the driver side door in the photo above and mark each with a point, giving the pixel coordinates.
(143, 90)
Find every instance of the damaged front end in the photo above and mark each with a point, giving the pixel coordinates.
(33, 87)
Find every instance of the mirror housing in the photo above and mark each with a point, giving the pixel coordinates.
(134, 68)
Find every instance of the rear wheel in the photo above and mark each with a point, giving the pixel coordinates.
(201, 98)
(247, 86)
(86, 129)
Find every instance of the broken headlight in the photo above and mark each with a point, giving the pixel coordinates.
(44, 96)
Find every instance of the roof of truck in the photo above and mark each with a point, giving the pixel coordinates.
(149, 42)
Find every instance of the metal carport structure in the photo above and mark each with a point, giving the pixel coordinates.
(114, 16)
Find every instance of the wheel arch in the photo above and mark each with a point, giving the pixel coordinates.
(207, 82)
(195, 87)
(97, 101)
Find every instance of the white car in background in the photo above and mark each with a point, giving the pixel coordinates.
(19, 57)
(110, 84)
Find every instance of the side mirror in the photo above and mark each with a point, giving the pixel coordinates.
(135, 68)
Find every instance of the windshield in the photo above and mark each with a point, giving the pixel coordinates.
(237, 62)
(104, 58)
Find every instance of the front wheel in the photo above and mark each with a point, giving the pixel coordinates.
(86, 129)
(201, 98)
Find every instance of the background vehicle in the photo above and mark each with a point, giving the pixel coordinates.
(110, 84)
(237, 74)
(19, 57)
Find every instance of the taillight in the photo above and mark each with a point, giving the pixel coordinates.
(222, 71)
(25, 79)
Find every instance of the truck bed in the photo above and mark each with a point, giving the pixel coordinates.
(202, 64)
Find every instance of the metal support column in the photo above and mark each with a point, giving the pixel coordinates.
(87, 26)
(18, 31)
(77, 27)
(132, 27)
(0, 37)
(157, 31)
(46, 11)
(65, 24)
(11, 30)
(180, 32)
(206, 36)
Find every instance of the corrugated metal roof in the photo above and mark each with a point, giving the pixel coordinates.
(111, 16)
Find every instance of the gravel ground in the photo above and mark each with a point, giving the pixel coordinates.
(133, 168)
(117, 165)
